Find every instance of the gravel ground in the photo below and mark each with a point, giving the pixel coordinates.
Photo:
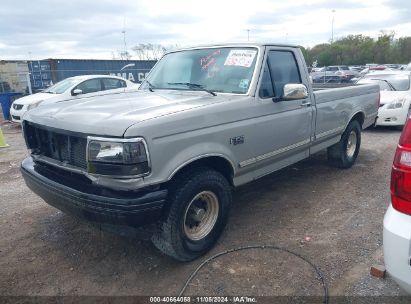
(331, 216)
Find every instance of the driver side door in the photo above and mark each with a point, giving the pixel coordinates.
(283, 128)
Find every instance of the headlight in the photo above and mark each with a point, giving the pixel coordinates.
(396, 104)
(34, 105)
(120, 157)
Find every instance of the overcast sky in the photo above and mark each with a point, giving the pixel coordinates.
(93, 29)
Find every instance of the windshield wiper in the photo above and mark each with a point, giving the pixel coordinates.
(150, 86)
(193, 85)
(387, 82)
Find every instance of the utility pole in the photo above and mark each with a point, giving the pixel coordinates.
(332, 26)
(124, 38)
(248, 34)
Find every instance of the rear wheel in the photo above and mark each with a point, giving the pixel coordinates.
(198, 205)
(344, 153)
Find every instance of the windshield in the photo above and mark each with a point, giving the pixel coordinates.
(226, 70)
(389, 82)
(61, 87)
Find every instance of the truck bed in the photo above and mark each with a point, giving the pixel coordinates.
(336, 104)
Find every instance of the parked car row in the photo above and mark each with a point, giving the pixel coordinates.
(344, 73)
(333, 74)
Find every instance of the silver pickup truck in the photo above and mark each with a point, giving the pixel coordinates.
(205, 120)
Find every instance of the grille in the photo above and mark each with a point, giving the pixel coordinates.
(57, 145)
(17, 106)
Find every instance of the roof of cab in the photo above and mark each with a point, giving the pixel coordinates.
(236, 44)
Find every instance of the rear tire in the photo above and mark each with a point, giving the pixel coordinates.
(198, 207)
(344, 153)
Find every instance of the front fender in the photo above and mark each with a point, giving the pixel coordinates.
(196, 152)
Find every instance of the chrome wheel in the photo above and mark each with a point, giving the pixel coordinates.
(201, 215)
(351, 144)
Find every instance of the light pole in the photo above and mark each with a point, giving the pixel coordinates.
(248, 34)
(124, 38)
(332, 26)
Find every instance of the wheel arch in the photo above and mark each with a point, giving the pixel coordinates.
(359, 116)
(214, 161)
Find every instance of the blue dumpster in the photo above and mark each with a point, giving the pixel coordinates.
(6, 99)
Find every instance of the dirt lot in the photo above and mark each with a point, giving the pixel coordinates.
(332, 216)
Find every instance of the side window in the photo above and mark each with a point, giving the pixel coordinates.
(284, 69)
(266, 87)
(113, 83)
(90, 86)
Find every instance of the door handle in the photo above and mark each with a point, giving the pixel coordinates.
(306, 104)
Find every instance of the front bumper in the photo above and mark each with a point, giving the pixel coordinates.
(90, 202)
(397, 247)
(391, 117)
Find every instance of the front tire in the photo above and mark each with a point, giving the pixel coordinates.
(344, 153)
(198, 207)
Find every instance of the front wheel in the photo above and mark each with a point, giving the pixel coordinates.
(344, 153)
(198, 207)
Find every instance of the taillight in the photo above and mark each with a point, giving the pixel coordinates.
(401, 173)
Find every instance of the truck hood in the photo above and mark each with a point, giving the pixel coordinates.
(112, 114)
(30, 99)
(389, 96)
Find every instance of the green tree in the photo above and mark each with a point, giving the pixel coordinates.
(360, 49)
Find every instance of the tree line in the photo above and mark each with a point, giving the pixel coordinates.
(348, 50)
(360, 50)
(144, 51)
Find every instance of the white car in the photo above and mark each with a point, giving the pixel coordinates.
(397, 220)
(395, 96)
(71, 88)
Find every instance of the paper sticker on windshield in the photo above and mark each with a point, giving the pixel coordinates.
(242, 58)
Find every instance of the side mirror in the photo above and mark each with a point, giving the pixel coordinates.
(76, 92)
(294, 91)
